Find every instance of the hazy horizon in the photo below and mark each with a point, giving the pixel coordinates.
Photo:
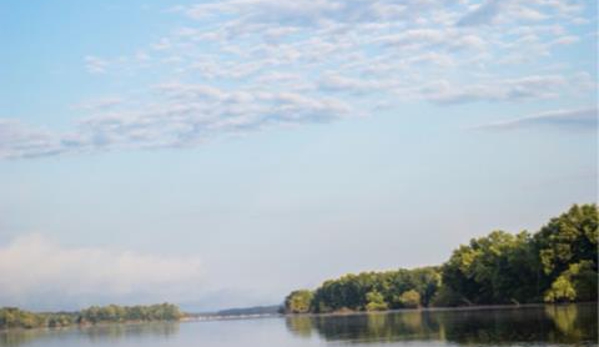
(220, 154)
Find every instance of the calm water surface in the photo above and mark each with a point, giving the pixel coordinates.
(572, 325)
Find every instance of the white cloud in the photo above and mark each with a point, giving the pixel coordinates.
(186, 114)
(575, 119)
(566, 40)
(181, 114)
(20, 140)
(340, 83)
(95, 65)
(246, 65)
(529, 87)
(483, 13)
(491, 12)
(32, 267)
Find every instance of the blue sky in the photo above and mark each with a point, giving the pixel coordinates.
(219, 154)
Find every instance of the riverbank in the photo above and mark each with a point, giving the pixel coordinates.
(551, 325)
(203, 318)
(439, 309)
(15, 318)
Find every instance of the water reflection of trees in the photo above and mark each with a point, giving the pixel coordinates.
(106, 333)
(116, 331)
(366, 327)
(550, 324)
(13, 339)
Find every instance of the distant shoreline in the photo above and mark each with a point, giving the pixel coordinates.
(193, 318)
(13, 318)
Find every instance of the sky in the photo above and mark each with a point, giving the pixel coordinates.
(221, 154)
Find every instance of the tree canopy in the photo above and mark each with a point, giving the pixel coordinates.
(11, 317)
(556, 264)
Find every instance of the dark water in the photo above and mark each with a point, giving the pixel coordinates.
(572, 325)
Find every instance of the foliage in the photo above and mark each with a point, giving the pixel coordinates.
(376, 290)
(11, 317)
(584, 277)
(447, 297)
(561, 290)
(376, 302)
(568, 239)
(496, 269)
(114, 313)
(299, 301)
(579, 282)
(558, 263)
(409, 299)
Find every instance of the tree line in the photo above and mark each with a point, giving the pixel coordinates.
(12, 317)
(556, 264)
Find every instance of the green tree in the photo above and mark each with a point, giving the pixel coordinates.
(299, 301)
(409, 299)
(578, 283)
(558, 263)
(376, 302)
(569, 238)
(447, 297)
(561, 290)
(497, 268)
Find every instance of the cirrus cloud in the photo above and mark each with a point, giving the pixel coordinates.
(181, 115)
(240, 66)
(578, 119)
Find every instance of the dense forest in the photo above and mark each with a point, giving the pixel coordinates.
(556, 264)
(15, 318)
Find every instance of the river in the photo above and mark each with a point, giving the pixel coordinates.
(567, 325)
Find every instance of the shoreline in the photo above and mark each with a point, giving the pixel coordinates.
(196, 319)
(438, 309)
(359, 313)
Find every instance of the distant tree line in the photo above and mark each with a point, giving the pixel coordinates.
(11, 317)
(556, 264)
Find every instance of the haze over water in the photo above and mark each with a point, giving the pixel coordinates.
(571, 325)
